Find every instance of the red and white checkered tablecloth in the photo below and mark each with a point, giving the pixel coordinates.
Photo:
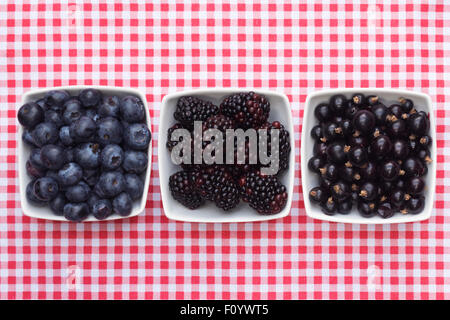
(166, 47)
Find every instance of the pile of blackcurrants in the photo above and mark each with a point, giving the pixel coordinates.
(370, 154)
(88, 153)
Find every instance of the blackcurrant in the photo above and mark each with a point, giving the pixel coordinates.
(397, 128)
(389, 170)
(329, 207)
(338, 103)
(381, 146)
(360, 141)
(368, 191)
(418, 124)
(364, 122)
(345, 206)
(406, 104)
(415, 205)
(397, 198)
(413, 167)
(425, 141)
(323, 112)
(330, 171)
(358, 99)
(317, 133)
(372, 100)
(385, 211)
(347, 127)
(351, 110)
(396, 110)
(336, 153)
(415, 186)
(331, 131)
(381, 112)
(315, 163)
(340, 190)
(318, 195)
(369, 171)
(367, 208)
(357, 156)
(320, 149)
(400, 149)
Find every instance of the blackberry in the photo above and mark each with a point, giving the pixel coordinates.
(228, 196)
(171, 144)
(247, 109)
(283, 143)
(215, 183)
(263, 193)
(190, 109)
(219, 122)
(182, 188)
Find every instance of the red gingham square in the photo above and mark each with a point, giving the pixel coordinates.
(166, 47)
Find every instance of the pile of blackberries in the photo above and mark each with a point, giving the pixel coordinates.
(88, 153)
(371, 155)
(227, 184)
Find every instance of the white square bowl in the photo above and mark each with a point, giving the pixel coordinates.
(309, 180)
(279, 110)
(24, 153)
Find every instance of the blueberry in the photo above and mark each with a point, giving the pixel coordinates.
(132, 109)
(122, 204)
(45, 133)
(27, 137)
(52, 156)
(87, 155)
(98, 191)
(70, 174)
(78, 193)
(111, 183)
(89, 97)
(111, 157)
(31, 196)
(109, 107)
(69, 155)
(124, 124)
(101, 209)
(76, 211)
(54, 175)
(45, 188)
(41, 103)
(30, 114)
(55, 99)
(57, 204)
(92, 113)
(54, 117)
(35, 158)
(90, 176)
(135, 161)
(34, 171)
(64, 136)
(109, 131)
(137, 136)
(134, 185)
(72, 111)
(92, 199)
(83, 128)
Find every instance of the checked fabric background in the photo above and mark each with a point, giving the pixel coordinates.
(290, 47)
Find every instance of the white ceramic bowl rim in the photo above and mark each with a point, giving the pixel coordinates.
(314, 211)
(184, 214)
(45, 212)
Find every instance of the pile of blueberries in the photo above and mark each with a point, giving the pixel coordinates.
(88, 153)
(371, 155)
